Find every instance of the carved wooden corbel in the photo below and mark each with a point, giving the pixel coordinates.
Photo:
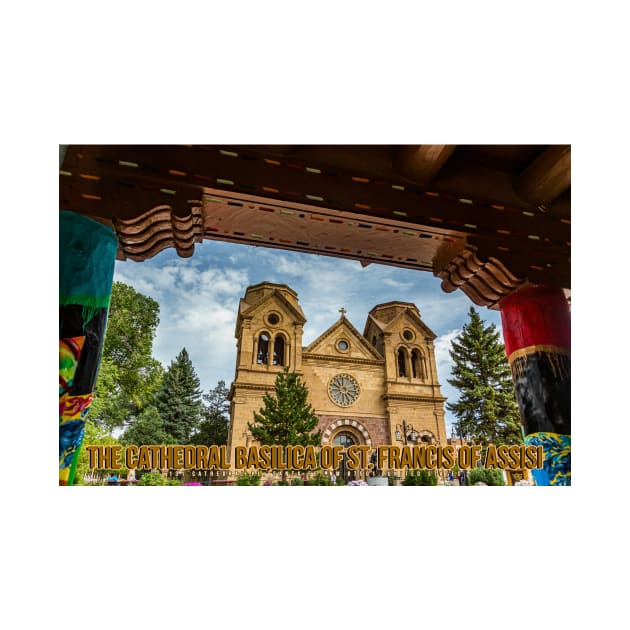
(486, 283)
(147, 235)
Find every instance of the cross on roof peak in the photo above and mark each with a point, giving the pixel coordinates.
(343, 311)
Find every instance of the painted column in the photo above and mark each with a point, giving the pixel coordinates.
(87, 254)
(537, 333)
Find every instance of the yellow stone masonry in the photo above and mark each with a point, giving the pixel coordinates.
(363, 386)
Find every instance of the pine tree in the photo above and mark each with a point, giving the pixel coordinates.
(486, 410)
(179, 399)
(213, 428)
(286, 418)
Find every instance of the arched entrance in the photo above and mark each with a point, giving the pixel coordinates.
(346, 433)
(345, 439)
(354, 427)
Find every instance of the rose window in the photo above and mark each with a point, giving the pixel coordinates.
(343, 390)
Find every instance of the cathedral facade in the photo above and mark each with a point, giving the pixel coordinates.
(372, 388)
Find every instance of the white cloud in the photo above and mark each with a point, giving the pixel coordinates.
(444, 365)
(199, 298)
(140, 283)
(442, 346)
(197, 311)
(396, 284)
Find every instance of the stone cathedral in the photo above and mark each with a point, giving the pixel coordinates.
(379, 387)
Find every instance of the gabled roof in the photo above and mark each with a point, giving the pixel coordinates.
(246, 310)
(408, 309)
(296, 310)
(266, 283)
(353, 333)
(413, 316)
(373, 320)
(394, 303)
(379, 324)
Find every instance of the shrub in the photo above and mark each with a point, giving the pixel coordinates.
(319, 479)
(296, 481)
(420, 477)
(153, 479)
(489, 476)
(248, 479)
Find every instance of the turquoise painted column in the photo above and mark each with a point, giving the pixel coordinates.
(87, 254)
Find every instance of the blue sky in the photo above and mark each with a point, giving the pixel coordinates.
(199, 297)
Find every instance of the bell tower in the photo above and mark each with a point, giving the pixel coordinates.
(269, 329)
(412, 391)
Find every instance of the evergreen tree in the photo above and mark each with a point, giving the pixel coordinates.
(213, 429)
(486, 410)
(179, 399)
(148, 428)
(286, 418)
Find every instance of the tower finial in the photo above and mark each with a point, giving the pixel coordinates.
(343, 311)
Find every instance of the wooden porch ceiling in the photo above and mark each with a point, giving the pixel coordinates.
(486, 219)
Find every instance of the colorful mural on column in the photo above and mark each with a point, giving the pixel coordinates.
(537, 333)
(87, 254)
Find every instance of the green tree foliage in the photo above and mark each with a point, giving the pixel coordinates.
(486, 409)
(128, 375)
(96, 436)
(179, 399)
(131, 325)
(148, 428)
(213, 428)
(286, 418)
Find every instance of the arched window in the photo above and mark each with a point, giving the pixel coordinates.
(263, 349)
(278, 350)
(417, 364)
(402, 367)
(344, 439)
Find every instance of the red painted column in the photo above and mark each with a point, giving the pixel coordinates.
(537, 334)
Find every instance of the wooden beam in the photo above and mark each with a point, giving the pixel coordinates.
(123, 183)
(131, 180)
(547, 177)
(62, 153)
(277, 149)
(421, 163)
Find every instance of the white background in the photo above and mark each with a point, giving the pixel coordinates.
(329, 72)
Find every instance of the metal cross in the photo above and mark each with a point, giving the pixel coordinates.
(343, 311)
